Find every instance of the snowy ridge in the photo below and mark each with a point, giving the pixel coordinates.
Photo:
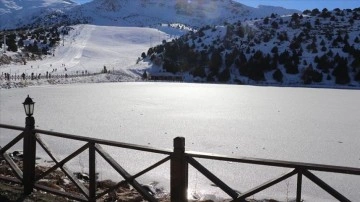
(196, 13)
(150, 12)
(8, 6)
(31, 11)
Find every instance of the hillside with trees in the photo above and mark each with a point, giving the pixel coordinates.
(30, 44)
(318, 47)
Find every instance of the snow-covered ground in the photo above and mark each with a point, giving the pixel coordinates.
(88, 48)
(297, 124)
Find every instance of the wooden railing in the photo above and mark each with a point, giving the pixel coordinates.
(179, 161)
(50, 76)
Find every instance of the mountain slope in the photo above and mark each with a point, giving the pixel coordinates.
(196, 13)
(321, 48)
(85, 49)
(9, 6)
(17, 13)
(151, 12)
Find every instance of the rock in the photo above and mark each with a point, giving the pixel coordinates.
(124, 185)
(149, 189)
(105, 184)
(5, 170)
(18, 154)
(82, 176)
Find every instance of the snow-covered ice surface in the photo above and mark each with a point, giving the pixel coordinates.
(298, 124)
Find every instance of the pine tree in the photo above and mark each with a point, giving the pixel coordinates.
(199, 72)
(215, 62)
(11, 43)
(278, 75)
(356, 40)
(341, 72)
(291, 68)
(224, 76)
(266, 20)
(274, 25)
(20, 43)
(275, 49)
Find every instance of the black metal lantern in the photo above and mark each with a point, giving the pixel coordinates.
(29, 106)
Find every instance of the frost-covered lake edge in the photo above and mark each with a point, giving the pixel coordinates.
(120, 77)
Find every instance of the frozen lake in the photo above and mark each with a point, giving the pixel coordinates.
(297, 124)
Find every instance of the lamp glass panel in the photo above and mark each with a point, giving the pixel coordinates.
(31, 109)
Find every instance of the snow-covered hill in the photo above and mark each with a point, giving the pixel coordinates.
(87, 49)
(150, 12)
(318, 48)
(17, 13)
(35, 13)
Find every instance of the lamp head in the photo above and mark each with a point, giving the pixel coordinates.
(29, 106)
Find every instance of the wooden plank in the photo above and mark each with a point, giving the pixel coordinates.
(18, 173)
(77, 183)
(277, 163)
(105, 142)
(125, 174)
(11, 127)
(266, 185)
(12, 143)
(46, 148)
(151, 167)
(67, 172)
(61, 163)
(213, 178)
(10, 179)
(60, 193)
(325, 186)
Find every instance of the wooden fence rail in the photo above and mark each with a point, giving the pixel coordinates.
(179, 160)
(15, 77)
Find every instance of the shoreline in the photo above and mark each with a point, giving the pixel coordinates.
(118, 78)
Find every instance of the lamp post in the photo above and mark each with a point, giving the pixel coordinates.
(29, 148)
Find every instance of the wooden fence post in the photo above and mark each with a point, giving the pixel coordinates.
(29, 149)
(92, 172)
(298, 187)
(178, 172)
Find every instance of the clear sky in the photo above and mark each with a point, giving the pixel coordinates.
(295, 4)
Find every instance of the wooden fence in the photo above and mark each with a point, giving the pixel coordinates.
(179, 160)
(17, 77)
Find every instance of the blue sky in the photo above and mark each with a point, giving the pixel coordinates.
(295, 4)
(305, 4)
